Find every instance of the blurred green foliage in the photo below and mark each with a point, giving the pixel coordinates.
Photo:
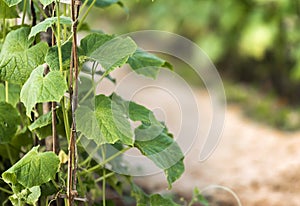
(264, 108)
(256, 41)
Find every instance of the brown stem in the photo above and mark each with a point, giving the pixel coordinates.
(72, 164)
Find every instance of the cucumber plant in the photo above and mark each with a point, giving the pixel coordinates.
(47, 106)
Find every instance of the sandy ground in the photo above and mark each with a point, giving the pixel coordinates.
(260, 165)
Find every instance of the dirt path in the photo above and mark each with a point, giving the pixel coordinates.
(260, 164)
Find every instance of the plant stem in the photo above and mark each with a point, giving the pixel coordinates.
(93, 89)
(66, 118)
(58, 38)
(89, 158)
(9, 154)
(40, 10)
(4, 27)
(92, 169)
(6, 91)
(78, 139)
(6, 191)
(86, 13)
(104, 176)
(65, 26)
(6, 146)
(55, 140)
(24, 11)
(103, 150)
(72, 163)
(83, 5)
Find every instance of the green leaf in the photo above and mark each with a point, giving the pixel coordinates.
(108, 51)
(94, 41)
(34, 169)
(9, 120)
(142, 199)
(137, 112)
(174, 172)
(42, 126)
(114, 53)
(110, 122)
(29, 196)
(39, 89)
(113, 123)
(162, 150)
(11, 3)
(7, 12)
(44, 25)
(48, 188)
(52, 56)
(198, 198)
(33, 197)
(158, 200)
(46, 2)
(42, 121)
(13, 93)
(88, 125)
(17, 58)
(147, 64)
(107, 124)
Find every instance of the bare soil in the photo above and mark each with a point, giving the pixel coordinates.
(261, 165)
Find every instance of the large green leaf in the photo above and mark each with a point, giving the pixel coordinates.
(18, 58)
(113, 123)
(33, 169)
(9, 120)
(11, 3)
(13, 93)
(7, 12)
(162, 150)
(114, 53)
(88, 125)
(107, 124)
(52, 56)
(108, 51)
(44, 25)
(139, 113)
(158, 200)
(39, 89)
(153, 139)
(94, 41)
(146, 63)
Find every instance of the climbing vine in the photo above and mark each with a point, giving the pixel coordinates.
(48, 104)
